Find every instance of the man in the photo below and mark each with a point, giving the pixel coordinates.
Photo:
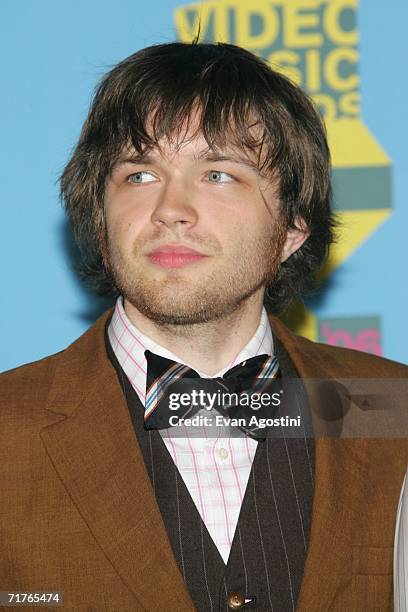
(199, 194)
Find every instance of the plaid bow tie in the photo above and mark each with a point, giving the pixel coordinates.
(166, 377)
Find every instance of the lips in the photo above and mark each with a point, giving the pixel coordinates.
(175, 256)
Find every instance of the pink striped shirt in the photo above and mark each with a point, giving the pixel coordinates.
(215, 469)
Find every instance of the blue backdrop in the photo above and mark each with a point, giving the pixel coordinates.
(52, 55)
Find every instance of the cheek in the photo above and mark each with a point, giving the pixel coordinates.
(119, 206)
(247, 228)
(121, 220)
(121, 233)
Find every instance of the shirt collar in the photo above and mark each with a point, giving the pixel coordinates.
(129, 344)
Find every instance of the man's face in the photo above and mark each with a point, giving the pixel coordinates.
(213, 203)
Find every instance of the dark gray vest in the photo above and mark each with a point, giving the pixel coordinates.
(270, 542)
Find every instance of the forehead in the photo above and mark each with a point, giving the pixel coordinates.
(190, 141)
(193, 133)
(196, 148)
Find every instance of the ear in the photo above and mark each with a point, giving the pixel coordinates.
(295, 238)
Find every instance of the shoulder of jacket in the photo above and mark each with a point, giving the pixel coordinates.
(360, 362)
(29, 382)
(344, 362)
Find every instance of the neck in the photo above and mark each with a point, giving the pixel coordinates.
(207, 347)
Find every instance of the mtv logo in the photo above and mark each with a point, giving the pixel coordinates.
(359, 333)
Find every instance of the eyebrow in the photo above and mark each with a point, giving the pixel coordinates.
(133, 159)
(215, 157)
(209, 156)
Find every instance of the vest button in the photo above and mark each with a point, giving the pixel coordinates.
(235, 601)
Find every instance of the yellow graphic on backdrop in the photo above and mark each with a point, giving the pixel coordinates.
(315, 43)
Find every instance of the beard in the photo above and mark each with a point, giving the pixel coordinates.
(211, 291)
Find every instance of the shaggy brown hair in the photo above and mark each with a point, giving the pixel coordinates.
(152, 93)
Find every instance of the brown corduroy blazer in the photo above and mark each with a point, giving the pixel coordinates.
(78, 513)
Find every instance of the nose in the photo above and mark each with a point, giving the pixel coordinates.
(174, 207)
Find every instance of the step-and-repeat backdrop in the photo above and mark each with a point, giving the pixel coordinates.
(349, 56)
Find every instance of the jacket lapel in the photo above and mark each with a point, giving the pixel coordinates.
(339, 474)
(94, 450)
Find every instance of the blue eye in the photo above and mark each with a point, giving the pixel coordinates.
(141, 177)
(217, 176)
